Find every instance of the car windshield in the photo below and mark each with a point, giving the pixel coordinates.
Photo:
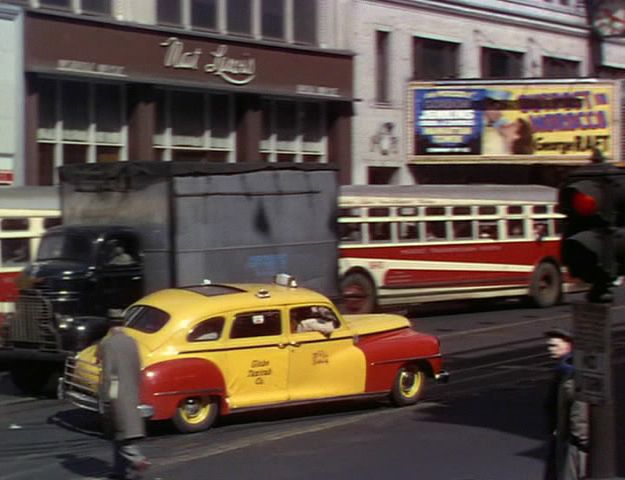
(145, 319)
(64, 247)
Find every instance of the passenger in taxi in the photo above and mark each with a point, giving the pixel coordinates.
(312, 319)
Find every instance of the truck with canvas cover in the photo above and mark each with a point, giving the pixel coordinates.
(132, 228)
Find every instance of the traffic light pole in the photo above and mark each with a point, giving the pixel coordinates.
(592, 323)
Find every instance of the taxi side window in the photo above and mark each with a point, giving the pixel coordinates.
(207, 330)
(256, 324)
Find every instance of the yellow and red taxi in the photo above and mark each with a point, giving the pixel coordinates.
(213, 350)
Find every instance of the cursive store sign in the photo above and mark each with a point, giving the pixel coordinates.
(237, 71)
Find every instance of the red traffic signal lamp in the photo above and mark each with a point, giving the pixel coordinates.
(593, 240)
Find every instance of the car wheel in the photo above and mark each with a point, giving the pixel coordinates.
(546, 286)
(358, 293)
(196, 414)
(408, 386)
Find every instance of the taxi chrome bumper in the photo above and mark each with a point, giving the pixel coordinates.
(442, 377)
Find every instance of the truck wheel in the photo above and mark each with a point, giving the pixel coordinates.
(358, 293)
(196, 414)
(33, 379)
(408, 386)
(546, 286)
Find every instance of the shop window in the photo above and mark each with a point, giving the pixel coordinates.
(107, 154)
(56, 3)
(501, 63)
(168, 12)
(239, 16)
(108, 107)
(204, 14)
(382, 40)
(305, 21)
(74, 154)
(46, 163)
(293, 131)
(193, 126)
(100, 7)
(272, 19)
(434, 59)
(47, 109)
(560, 68)
(75, 110)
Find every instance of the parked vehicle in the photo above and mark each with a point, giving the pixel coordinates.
(132, 228)
(216, 349)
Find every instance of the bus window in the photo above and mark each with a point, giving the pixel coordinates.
(379, 231)
(488, 230)
(487, 210)
(15, 251)
(350, 232)
(462, 230)
(540, 209)
(408, 211)
(461, 211)
(14, 224)
(435, 231)
(409, 231)
(515, 229)
(378, 212)
(541, 229)
(51, 222)
(515, 210)
(432, 211)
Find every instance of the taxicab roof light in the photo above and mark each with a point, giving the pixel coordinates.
(285, 280)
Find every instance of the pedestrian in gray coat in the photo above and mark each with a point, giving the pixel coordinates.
(119, 394)
(567, 416)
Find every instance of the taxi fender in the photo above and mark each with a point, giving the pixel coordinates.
(165, 384)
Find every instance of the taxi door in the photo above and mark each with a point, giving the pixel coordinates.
(323, 365)
(257, 359)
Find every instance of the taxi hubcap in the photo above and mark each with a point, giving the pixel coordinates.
(195, 410)
(410, 383)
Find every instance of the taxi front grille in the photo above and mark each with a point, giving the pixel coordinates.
(80, 383)
(33, 323)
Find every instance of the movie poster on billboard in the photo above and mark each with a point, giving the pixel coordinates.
(550, 120)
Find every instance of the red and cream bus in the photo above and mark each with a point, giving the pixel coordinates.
(25, 214)
(407, 245)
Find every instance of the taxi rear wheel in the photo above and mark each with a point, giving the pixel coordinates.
(408, 386)
(196, 414)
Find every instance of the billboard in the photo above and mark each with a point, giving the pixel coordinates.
(524, 121)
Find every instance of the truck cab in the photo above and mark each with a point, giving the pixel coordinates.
(79, 284)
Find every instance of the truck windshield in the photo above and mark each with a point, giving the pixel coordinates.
(64, 247)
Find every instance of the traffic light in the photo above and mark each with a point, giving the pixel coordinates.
(593, 239)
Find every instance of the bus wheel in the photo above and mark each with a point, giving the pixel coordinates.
(408, 386)
(196, 414)
(546, 287)
(358, 293)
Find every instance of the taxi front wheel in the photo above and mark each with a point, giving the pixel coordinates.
(408, 386)
(196, 414)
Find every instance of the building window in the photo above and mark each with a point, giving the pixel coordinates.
(56, 3)
(204, 14)
(559, 68)
(434, 59)
(501, 63)
(272, 19)
(98, 7)
(239, 17)
(194, 126)
(79, 122)
(169, 12)
(382, 66)
(305, 21)
(293, 131)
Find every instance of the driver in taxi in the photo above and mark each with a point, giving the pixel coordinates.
(313, 320)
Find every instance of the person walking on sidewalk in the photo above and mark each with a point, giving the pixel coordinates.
(567, 417)
(119, 393)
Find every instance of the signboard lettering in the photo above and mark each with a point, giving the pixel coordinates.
(237, 71)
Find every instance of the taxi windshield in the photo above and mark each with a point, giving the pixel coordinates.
(145, 319)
